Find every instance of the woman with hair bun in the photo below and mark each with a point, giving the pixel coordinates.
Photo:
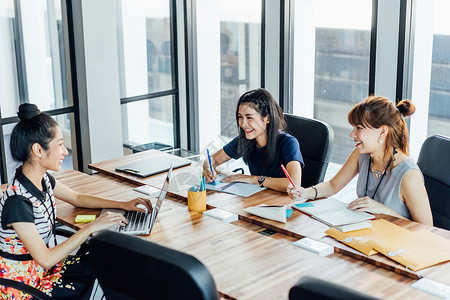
(28, 213)
(389, 181)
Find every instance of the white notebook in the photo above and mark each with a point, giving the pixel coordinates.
(332, 212)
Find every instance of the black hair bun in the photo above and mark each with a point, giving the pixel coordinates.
(28, 111)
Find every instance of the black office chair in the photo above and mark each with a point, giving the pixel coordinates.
(434, 162)
(313, 288)
(315, 138)
(129, 267)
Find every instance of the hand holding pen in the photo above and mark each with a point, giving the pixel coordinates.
(208, 170)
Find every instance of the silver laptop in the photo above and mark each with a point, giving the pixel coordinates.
(141, 223)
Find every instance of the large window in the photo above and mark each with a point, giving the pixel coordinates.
(331, 53)
(240, 56)
(439, 105)
(147, 73)
(32, 56)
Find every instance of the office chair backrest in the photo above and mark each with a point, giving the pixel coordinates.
(129, 267)
(434, 162)
(313, 288)
(315, 138)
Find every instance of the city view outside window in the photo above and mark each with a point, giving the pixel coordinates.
(240, 56)
(439, 105)
(332, 48)
(145, 67)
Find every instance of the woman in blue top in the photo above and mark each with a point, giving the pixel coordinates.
(261, 143)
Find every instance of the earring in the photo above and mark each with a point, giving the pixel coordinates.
(380, 141)
(39, 155)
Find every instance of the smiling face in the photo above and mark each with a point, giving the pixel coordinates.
(366, 138)
(253, 124)
(52, 158)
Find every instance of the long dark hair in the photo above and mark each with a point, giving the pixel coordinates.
(375, 112)
(34, 127)
(264, 103)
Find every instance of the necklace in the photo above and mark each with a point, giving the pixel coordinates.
(380, 173)
(377, 173)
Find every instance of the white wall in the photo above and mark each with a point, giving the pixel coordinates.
(98, 80)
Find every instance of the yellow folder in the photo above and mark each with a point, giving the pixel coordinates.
(415, 249)
(359, 239)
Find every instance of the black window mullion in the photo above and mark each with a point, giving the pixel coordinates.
(4, 169)
(19, 51)
(174, 68)
(373, 47)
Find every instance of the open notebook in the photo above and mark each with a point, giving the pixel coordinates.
(332, 212)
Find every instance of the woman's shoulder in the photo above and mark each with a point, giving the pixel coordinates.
(403, 161)
(285, 137)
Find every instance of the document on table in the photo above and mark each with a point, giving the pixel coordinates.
(332, 212)
(235, 188)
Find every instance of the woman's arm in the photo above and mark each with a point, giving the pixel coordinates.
(415, 196)
(66, 194)
(279, 184)
(328, 188)
(217, 159)
(294, 169)
(48, 257)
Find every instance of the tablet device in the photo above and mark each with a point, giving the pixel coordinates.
(153, 166)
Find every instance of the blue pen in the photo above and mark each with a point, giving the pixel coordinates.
(210, 165)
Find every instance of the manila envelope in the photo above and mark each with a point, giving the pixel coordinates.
(416, 249)
(358, 239)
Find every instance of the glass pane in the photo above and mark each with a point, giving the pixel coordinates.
(37, 57)
(240, 55)
(148, 124)
(145, 54)
(9, 92)
(341, 66)
(439, 109)
(64, 124)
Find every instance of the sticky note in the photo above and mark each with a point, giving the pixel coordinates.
(289, 212)
(307, 204)
(84, 218)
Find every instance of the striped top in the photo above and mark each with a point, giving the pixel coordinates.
(24, 202)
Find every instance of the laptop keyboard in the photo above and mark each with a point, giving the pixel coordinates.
(137, 221)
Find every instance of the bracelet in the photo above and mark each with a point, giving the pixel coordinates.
(315, 189)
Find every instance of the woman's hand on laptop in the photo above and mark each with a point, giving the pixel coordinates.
(139, 204)
(107, 220)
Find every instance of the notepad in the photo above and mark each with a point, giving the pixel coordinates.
(236, 188)
(332, 212)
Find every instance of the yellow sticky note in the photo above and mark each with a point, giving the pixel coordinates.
(84, 218)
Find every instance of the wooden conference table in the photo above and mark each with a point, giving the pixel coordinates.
(244, 263)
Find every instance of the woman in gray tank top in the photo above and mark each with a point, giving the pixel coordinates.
(389, 181)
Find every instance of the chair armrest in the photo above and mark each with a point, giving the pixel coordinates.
(37, 294)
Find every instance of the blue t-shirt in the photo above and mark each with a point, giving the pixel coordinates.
(288, 150)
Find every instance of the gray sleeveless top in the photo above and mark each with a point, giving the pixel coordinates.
(389, 191)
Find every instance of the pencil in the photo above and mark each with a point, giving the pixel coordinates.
(287, 175)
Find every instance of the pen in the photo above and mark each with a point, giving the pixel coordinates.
(287, 175)
(210, 165)
(209, 159)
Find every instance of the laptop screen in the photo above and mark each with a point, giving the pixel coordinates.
(161, 197)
